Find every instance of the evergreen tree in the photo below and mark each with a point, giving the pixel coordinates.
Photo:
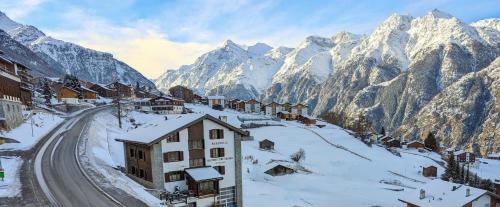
(462, 174)
(456, 171)
(467, 179)
(430, 142)
(486, 185)
(450, 167)
(47, 92)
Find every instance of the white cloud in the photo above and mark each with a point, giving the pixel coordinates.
(19, 8)
(140, 44)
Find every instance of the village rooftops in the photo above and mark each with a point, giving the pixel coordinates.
(438, 193)
(203, 173)
(156, 130)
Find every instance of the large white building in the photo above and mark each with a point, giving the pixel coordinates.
(194, 158)
(160, 105)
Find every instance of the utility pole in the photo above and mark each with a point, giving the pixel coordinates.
(118, 97)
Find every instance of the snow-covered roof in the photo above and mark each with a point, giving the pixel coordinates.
(203, 173)
(88, 89)
(5, 59)
(415, 141)
(494, 155)
(459, 152)
(143, 100)
(215, 97)
(151, 133)
(440, 193)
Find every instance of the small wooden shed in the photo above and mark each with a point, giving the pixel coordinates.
(393, 143)
(430, 171)
(279, 170)
(415, 144)
(266, 144)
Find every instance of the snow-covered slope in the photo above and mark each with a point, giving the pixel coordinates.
(85, 63)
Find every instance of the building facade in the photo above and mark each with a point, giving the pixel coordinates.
(272, 109)
(10, 95)
(195, 159)
(216, 101)
(252, 106)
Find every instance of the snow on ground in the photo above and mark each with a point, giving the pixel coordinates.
(339, 177)
(11, 185)
(42, 124)
(487, 169)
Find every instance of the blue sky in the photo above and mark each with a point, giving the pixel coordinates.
(155, 35)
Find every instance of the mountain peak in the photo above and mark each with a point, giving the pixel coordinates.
(229, 42)
(439, 14)
(259, 49)
(7, 24)
(317, 40)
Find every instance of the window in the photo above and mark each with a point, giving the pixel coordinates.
(197, 162)
(132, 170)
(216, 152)
(132, 153)
(173, 138)
(174, 176)
(195, 144)
(216, 134)
(220, 169)
(173, 156)
(141, 173)
(140, 154)
(207, 186)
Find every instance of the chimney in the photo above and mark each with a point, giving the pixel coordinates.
(223, 118)
(422, 194)
(467, 192)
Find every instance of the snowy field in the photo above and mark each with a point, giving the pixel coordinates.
(11, 185)
(42, 124)
(343, 170)
(487, 169)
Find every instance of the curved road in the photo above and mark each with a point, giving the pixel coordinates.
(57, 171)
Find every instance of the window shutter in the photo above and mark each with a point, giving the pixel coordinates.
(221, 152)
(181, 156)
(165, 157)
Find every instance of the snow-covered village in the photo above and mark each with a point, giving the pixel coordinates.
(182, 104)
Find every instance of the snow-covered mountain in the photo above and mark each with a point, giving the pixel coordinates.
(390, 75)
(233, 70)
(85, 63)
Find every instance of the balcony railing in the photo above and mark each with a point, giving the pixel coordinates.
(178, 197)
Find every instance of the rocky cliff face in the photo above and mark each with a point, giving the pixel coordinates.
(87, 64)
(390, 75)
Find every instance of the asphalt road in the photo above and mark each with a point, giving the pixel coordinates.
(58, 173)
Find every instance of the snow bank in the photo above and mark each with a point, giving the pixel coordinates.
(11, 185)
(42, 124)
